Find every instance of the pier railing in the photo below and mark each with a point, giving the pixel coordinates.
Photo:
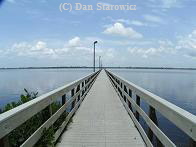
(179, 117)
(13, 118)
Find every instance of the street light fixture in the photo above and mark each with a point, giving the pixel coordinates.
(94, 54)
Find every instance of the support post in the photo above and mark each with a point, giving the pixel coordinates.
(78, 89)
(129, 103)
(125, 90)
(82, 87)
(72, 94)
(137, 115)
(153, 117)
(85, 85)
(63, 99)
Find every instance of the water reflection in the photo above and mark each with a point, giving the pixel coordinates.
(12, 82)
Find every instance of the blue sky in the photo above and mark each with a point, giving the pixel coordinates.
(158, 33)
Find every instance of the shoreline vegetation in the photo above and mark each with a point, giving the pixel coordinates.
(19, 135)
(108, 67)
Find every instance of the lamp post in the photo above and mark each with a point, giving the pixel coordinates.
(94, 54)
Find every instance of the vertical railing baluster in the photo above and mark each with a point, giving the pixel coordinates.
(78, 89)
(52, 126)
(125, 90)
(129, 103)
(116, 82)
(85, 85)
(63, 99)
(82, 88)
(153, 117)
(89, 83)
(63, 102)
(72, 95)
(137, 115)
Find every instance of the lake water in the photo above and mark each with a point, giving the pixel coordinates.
(13, 82)
(176, 86)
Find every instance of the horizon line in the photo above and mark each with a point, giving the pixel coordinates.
(116, 67)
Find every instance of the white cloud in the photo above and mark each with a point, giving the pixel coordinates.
(153, 18)
(134, 22)
(163, 47)
(187, 44)
(119, 29)
(40, 45)
(73, 48)
(144, 52)
(38, 49)
(74, 42)
(183, 46)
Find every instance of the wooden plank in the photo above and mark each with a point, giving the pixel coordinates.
(62, 127)
(101, 120)
(139, 127)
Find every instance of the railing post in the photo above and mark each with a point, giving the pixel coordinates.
(72, 94)
(85, 85)
(88, 82)
(153, 117)
(129, 103)
(137, 115)
(78, 89)
(125, 90)
(63, 99)
(82, 87)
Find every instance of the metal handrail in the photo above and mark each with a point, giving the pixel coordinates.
(178, 116)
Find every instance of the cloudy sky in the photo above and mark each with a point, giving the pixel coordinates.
(158, 33)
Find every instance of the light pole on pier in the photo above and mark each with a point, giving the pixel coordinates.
(94, 54)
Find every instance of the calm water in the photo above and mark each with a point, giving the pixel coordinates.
(176, 86)
(12, 82)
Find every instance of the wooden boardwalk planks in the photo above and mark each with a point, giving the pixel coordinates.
(101, 120)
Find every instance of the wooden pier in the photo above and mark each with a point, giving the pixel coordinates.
(101, 120)
(102, 110)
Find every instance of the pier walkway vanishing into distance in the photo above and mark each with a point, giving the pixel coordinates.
(99, 110)
(101, 120)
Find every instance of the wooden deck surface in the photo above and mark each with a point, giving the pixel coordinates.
(101, 120)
